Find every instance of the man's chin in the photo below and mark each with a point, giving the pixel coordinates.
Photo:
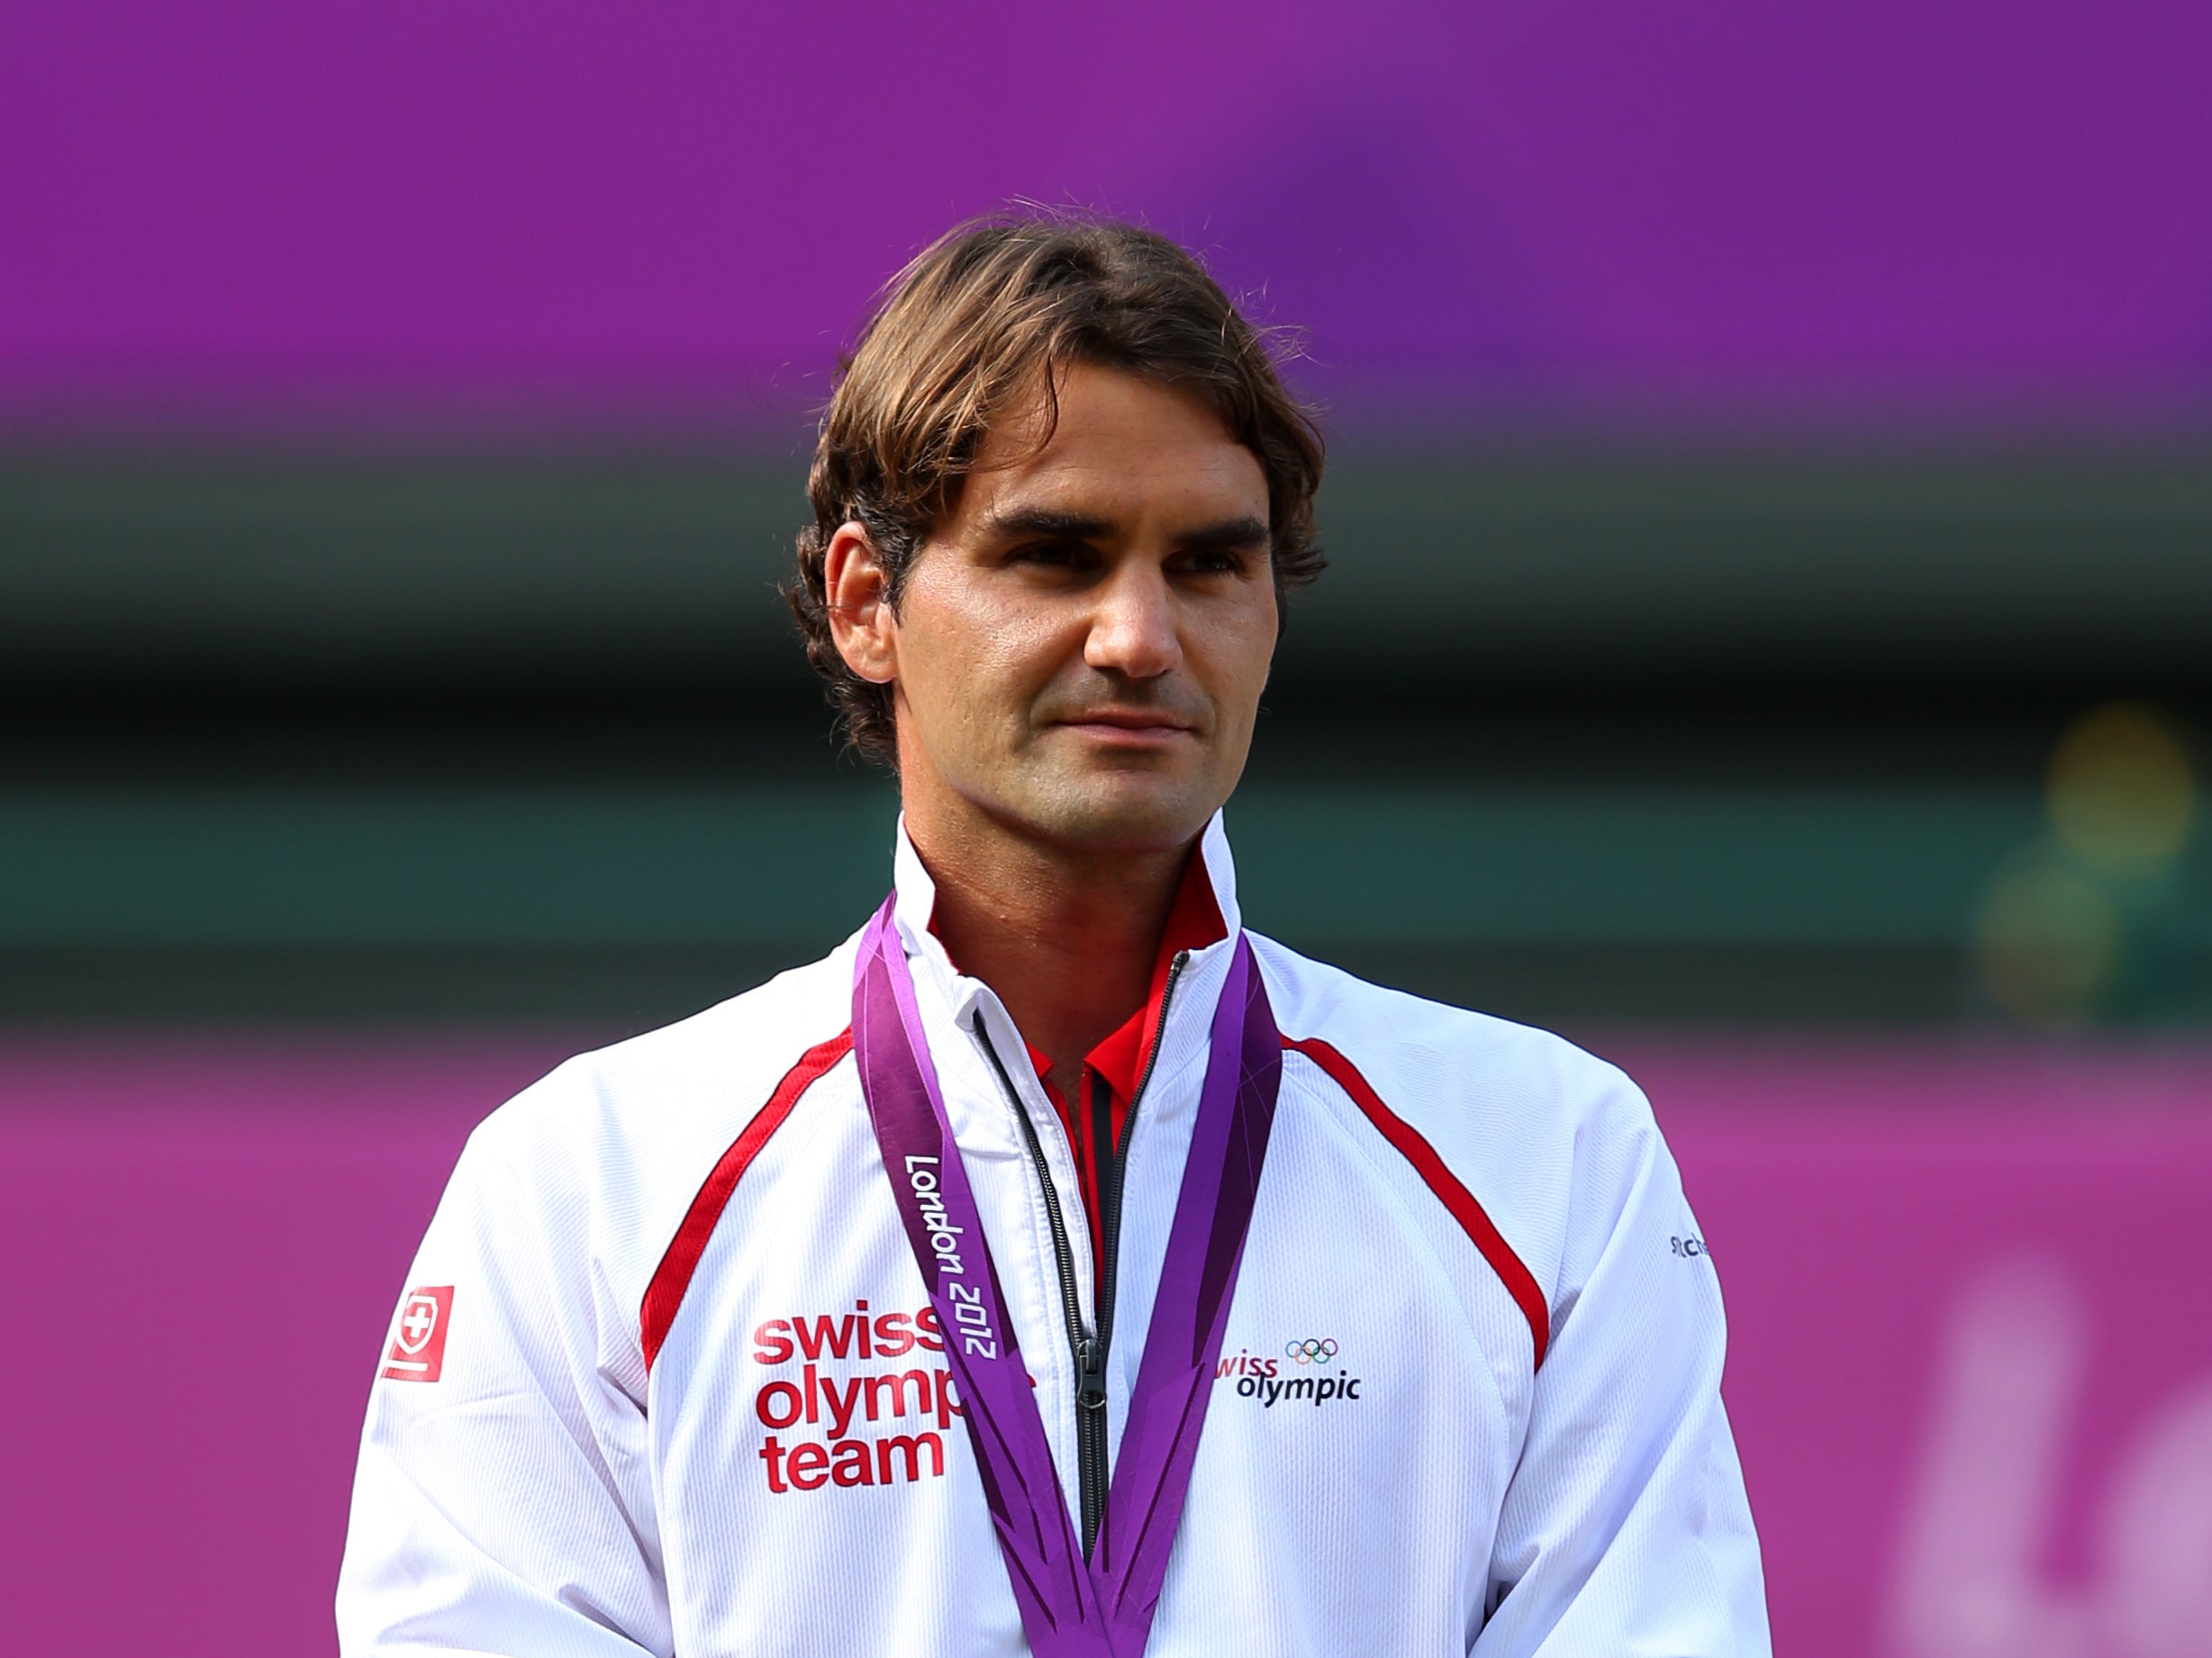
(1117, 814)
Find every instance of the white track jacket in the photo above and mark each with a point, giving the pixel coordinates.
(666, 1379)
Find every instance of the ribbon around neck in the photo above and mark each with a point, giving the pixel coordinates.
(1071, 1607)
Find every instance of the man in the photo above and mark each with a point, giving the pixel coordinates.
(1057, 1267)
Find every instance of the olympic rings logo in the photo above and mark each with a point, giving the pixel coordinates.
(1309, 1350)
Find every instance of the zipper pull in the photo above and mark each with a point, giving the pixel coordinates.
(1091, 1374)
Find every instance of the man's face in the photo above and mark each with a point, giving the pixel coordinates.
(1081, 646)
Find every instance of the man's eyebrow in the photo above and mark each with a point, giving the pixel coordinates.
(1019, 523)
(1231, 535)
(1033, 523)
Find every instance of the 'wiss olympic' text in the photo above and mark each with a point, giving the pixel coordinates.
(1260, 1376)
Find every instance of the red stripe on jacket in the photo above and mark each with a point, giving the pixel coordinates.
(1520, 1282)
(672, 1276)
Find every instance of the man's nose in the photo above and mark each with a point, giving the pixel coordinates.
(1133, 631)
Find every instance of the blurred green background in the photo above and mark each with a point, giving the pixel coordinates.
(1727, 734)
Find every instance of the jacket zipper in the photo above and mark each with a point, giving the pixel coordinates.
(1088, 1349)
(1090, 1368)
(1110, 1198)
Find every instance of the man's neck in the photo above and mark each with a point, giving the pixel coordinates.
(1066, 939)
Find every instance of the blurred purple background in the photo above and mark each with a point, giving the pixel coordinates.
(1968, 213)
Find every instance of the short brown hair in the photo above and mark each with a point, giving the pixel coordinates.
(987, 311)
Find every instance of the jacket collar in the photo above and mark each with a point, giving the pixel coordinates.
(916, 894)
(970, 1004)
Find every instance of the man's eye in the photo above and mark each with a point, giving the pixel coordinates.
(1211, 562)
(1052, 553)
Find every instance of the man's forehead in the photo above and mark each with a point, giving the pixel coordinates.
(1090, 408)
(1123, 447)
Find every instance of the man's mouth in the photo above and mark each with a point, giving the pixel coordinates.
(1129, 726)
(1130, 720)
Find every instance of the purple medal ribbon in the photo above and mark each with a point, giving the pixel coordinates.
(1071, 1609)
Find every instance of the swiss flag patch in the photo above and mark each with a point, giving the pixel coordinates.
(418, 1339)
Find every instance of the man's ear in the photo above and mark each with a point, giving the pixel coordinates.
(855, 588)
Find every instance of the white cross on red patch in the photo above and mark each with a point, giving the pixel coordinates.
(417, 1350)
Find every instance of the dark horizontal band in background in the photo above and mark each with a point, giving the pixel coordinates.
(653, 567)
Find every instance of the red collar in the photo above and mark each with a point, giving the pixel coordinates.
(1193, 923)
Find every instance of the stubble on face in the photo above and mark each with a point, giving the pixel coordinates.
(1082, 642)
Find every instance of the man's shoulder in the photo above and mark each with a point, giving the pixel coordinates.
(656, 1107)
(751, 1038)
(1528, 1123)
(1442, 1061)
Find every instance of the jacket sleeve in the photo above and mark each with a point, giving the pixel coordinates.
(507, 1507)
(1625, 1527)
